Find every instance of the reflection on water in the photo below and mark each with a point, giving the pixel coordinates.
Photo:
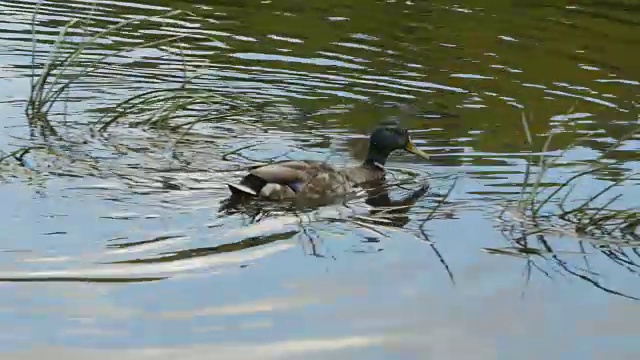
(123, 238)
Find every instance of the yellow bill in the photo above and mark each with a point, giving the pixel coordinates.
(411, 147)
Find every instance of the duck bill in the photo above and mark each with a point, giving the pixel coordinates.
(411, 147)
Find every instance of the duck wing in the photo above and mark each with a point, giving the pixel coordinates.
(284, 177)
(287, 172)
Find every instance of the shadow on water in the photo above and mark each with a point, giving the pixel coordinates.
(117, 215)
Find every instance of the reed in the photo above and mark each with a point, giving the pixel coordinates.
(587, 215)
(595, 222)
(178, 107)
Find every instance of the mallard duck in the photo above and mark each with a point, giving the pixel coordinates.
(313, 180)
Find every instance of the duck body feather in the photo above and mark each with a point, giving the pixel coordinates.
(312, 181)
(304, 180)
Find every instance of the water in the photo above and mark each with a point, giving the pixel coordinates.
(116, 245)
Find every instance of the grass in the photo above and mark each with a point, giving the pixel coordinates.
(180, 107)
(587, 215)
(55, 78)
(594, 221)
(174, 109)
(177, 108)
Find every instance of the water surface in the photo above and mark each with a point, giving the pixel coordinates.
(118, 245)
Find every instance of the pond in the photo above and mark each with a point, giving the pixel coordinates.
(118, 240)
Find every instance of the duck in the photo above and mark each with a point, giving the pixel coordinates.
(313, 180)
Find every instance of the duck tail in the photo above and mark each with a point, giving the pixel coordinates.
(238, 189)
(250, 185)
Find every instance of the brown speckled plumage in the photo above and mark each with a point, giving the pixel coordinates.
(316, 181)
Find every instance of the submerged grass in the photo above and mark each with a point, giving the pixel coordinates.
(180, 107)
(588, 216)
(173, 109)
(56, 76)
(536, 217)
(18, 155)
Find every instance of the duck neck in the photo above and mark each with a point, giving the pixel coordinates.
(376, 156)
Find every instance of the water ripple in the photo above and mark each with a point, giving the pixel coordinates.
(146, 206)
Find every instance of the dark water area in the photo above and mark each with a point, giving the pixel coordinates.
(117, 244)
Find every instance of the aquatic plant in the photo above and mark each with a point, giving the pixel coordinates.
(66, 65)
(588, 216)
(536, 217)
